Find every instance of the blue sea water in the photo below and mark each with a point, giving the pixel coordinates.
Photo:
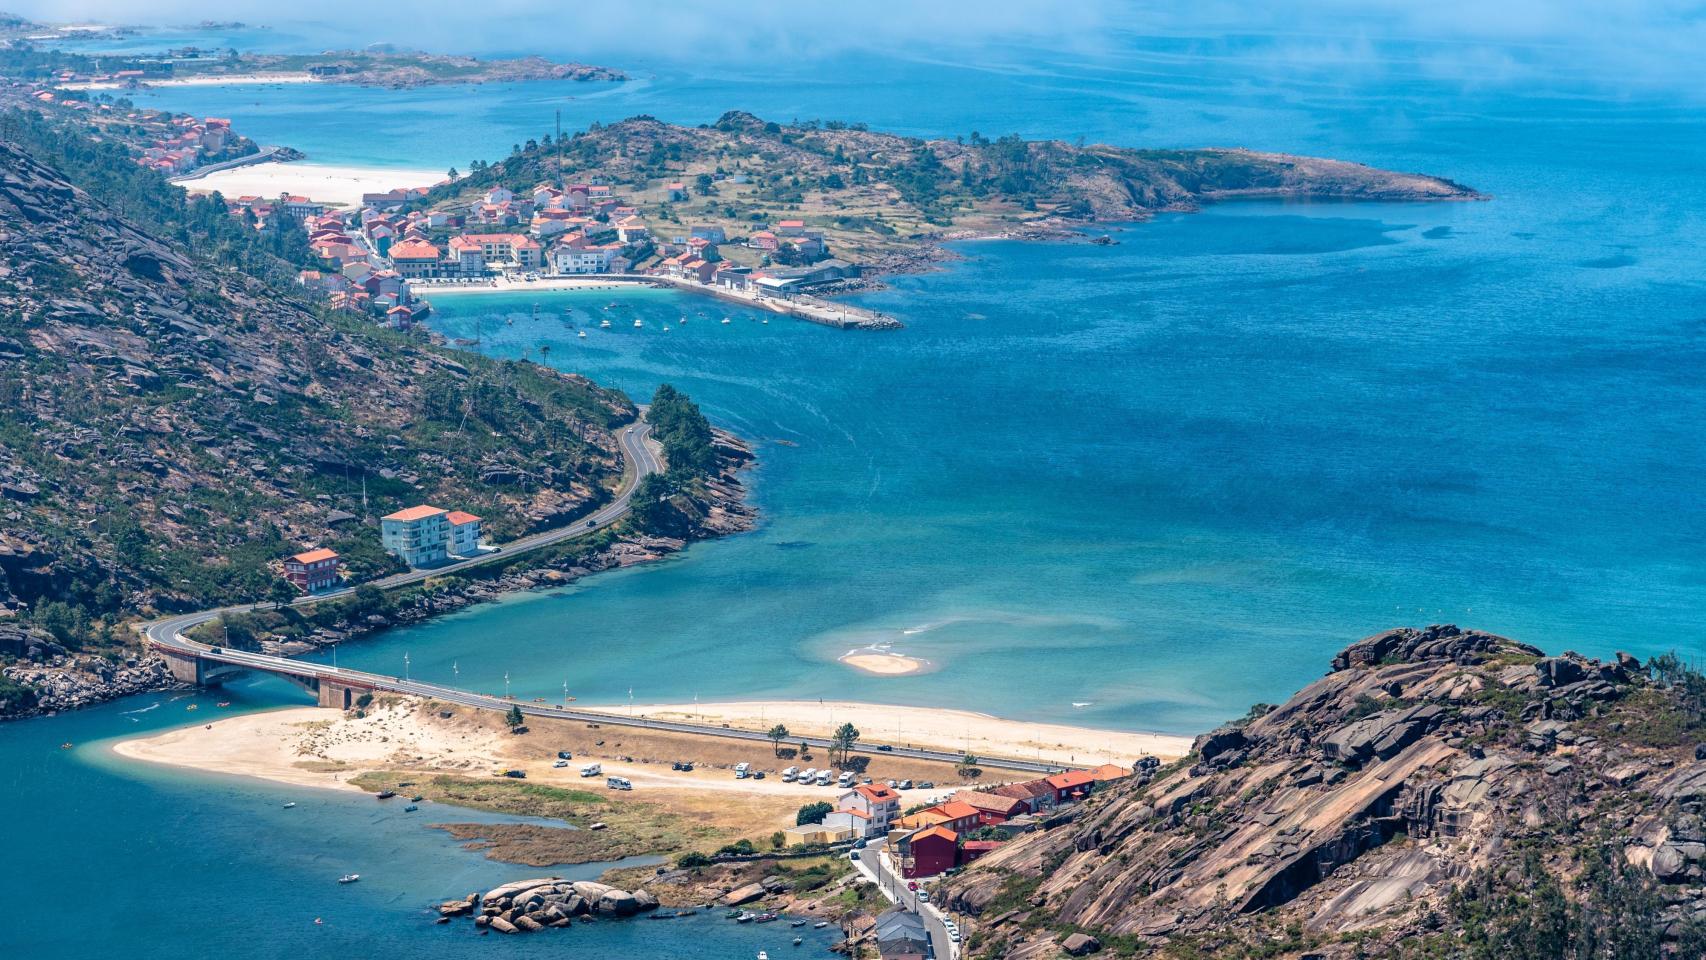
(1168, 477)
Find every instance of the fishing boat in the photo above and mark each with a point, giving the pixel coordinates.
(605, 324)
(765, 918)
(386, 794)
(820, 924)
(416, 799)
(411, 808)
(796, 923)
(746, 916)
(290, 805)
(349, 878)
(733, 915)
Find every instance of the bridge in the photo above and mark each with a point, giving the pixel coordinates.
(202, 664)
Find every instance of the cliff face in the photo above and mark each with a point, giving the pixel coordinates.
(168, 425)
(1410, 803)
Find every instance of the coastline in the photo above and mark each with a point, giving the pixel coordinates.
(320, 747)
(211, 80)
(940, 728)
(341, 184)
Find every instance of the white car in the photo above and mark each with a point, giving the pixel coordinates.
(560, 764)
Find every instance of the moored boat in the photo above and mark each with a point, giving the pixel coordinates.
(349, 878)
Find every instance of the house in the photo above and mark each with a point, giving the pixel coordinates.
(816, 833)
(975, 849)
(928, 852)
(675, 192)
(1037, 795)
(855, 823)
(763, 240)
(1072, 785)
(991, 808)
(579, 255)
(498, 195)
(464, 533)
(791, 228)
(466, 257)
(1109, 772)
(400, 317)
(955, 815)
(300, 207)
(707, 232)
(879, 805)
(523, 251)
(901, 935)
(419, 536)
(415, 259)
(313, 571)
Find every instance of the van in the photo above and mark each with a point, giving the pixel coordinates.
(787, 776)
(823, 779)
(618, 783)
(808, 773)
(846, 779)
(591, 770)
(742, 769)
(790, 773)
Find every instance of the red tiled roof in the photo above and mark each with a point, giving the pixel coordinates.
(414, 513)
(315, 556)
(942, 832)
(461, 517)
(411, 250)
(1071, 779)
(876, 793)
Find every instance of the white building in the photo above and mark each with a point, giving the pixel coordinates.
(464, 533)
(418, 536)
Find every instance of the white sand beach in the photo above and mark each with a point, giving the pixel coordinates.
(327, 183)
(211, 80)
(976, 733)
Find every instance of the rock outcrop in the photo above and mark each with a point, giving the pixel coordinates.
(525, 906)
(1340, 820)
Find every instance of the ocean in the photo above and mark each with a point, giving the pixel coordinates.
(1167, 478)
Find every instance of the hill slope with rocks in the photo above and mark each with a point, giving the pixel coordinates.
(1440, 793)
(169, 424)
(875, 194)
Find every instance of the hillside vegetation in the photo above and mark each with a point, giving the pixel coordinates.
(172, 417)
(878, 193)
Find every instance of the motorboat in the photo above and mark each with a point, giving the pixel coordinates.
(583, 334)
(290, 805)
(796, 923)
(349, 878)
(820, 924)
(605, 324)
(638, 322)
(798, 941)
(386, 794)
(763, 956)
(725, 319)
(411, 808)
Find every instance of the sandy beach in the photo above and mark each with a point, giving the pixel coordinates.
(327, 183)
(321, 747)
(976, 733)
(219, 80)
(882, 663)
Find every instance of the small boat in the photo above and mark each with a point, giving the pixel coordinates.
(666, 328)
(605, 324)
(583, 334)
(766, 319)
(820, 924)
(411, 808)
(416, 799)
(190, 707)
(349, 878)
(798, 941)
(733, 915)
(223, 703)
(386, 794)
(290, 805)
(746, 916)
(67, 745)
(763, 956)
(638, 322)
(725, 319)
(796, 923)
(765, 917)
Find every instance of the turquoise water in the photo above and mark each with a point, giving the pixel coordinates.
(1169, 477)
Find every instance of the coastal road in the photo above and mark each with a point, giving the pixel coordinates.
(877, 866)
(641, 459)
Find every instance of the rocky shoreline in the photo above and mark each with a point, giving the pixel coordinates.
(527, 906)
(59, 679)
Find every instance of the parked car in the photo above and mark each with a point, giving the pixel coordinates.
(516, 774)
(885, 748)
(906, 785)
(560, 764)
(926, 784)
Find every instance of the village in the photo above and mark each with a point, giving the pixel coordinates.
(378, 258)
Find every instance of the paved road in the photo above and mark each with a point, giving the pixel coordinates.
(875, 864)
(168, 634)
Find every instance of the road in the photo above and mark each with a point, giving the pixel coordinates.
(641, 459)
(877, 867)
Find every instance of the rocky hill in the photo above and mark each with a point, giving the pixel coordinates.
(879, 193)
(1440, 793)
(169, 424)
